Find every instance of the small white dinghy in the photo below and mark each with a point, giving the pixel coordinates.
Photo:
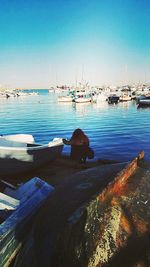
(18, 206)
(19, 153)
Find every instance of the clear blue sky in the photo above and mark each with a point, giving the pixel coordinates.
(47, 42)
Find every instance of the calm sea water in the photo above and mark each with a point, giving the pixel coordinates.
(117, 132)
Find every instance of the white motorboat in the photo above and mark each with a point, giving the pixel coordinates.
(67, 98)
(81, 96)
(99, 97)
(125, 97)
(83, 100)
(19, 153)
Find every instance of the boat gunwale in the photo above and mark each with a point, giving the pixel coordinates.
(27, 146)
(36, 147)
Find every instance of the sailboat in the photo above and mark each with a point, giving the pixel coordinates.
(82, 94)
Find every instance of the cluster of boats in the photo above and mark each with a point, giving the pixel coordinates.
(15, 93)
(84, 96)
(78, 96)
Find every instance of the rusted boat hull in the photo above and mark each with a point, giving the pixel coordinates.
(81, 212)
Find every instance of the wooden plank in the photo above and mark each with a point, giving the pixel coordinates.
(14, 228)
(7, 202)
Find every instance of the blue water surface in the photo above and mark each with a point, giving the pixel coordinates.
(116, 132)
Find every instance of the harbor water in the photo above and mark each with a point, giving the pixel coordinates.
(117, 132)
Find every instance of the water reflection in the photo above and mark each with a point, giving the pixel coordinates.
(125, 105)
(101, 105)
(82, 108)
(65, 106)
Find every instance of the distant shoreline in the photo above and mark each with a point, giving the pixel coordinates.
(21, 89)
(33, 89)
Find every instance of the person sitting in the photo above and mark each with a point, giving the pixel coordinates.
(79, 145)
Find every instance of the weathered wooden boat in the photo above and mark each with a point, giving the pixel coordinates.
(89, 202)
(18, 207)
(19, 153)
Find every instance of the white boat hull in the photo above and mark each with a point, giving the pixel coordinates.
(65, 99)
(99, 98)
(19, 157)
(125, 98)
(82, 100)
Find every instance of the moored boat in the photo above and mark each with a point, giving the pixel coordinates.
(18, 206)
(144, 102)
(83, 99)
(51, 90)
(66, 98)
(100, 97)
(19, 153)
(81, 96)
(113, 99)
(125, 97)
